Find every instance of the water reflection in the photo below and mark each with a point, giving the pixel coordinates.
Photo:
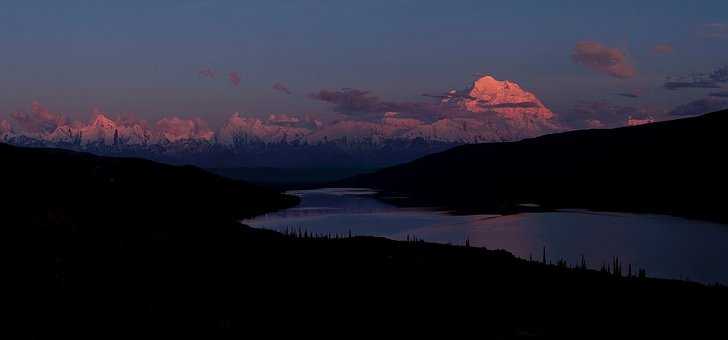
(666, 246)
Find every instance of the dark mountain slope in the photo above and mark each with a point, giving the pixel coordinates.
(675, 167)
(143, 250)
(110, 190)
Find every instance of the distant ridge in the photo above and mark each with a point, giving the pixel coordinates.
(488, 111)
(674, 167)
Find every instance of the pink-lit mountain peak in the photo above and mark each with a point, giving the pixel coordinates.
(101, 121)
(504, 97)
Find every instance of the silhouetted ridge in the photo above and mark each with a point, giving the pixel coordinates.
(124, 187)
(673, 167)
(144, 250)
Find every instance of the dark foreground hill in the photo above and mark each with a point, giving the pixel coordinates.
(290, 178)
(673, 167)
(142, 250)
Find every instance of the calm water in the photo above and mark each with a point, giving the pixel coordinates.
(665, 246)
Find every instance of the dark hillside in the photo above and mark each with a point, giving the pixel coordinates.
(142, 250)
(674, 167)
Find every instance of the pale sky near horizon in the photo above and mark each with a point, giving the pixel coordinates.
(144, 56)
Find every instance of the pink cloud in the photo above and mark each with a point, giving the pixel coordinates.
(663, 49)
(206, 73)
(234, 78)
(603, 59)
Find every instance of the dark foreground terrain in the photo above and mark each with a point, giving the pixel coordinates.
(143, 250)
(290, 178)
(676, 167)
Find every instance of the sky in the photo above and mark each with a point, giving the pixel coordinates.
(158, 58)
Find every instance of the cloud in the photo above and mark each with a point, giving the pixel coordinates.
(350, 101)
(599, 58)
(452, 94)
(359, 102)
(663, 49)
(701, 106)
(39, 120)
(234, 78)
(712, 80)
(175, 129)
(282, 88)
(714, 31)
(632, 94)
(701, 84)
(206, 73)
(719, 94)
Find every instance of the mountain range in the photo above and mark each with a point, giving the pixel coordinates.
(673, 167)
(489, 111)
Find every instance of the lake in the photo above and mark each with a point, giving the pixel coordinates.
(665, 246)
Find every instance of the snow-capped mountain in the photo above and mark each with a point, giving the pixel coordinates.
(505, 98)
(489, 111)
(101, 130)
(276, 129)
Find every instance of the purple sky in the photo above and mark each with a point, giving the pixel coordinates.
(144, 58)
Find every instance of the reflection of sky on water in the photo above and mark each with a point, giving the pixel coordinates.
(666, 246)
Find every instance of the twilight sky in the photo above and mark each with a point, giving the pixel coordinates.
(157, 58)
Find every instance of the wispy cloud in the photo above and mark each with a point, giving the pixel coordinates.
(234, 78)
(349, 101)
(631, 94)
(701, 84)
(663, 49)
(713, 80)
(627, 95)
(701, 106)
(281, 87)
(719, 94)
(206, 73)
(360, 102)
(714, 31)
